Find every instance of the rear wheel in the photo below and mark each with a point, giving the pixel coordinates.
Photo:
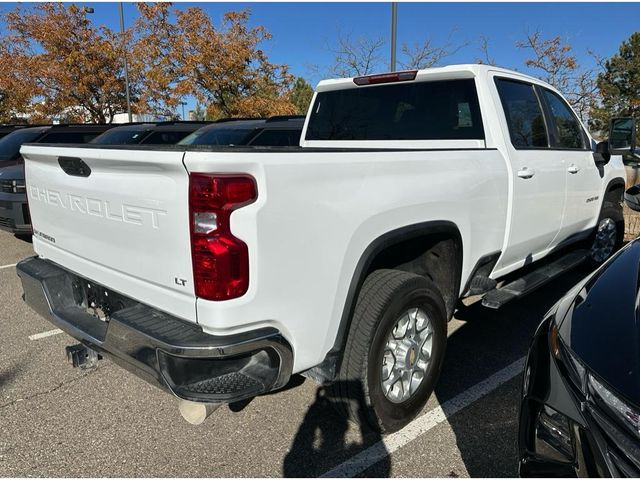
(394, 351)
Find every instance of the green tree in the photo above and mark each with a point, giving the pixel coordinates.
(619, 86)
(199, 113)
(301, 95)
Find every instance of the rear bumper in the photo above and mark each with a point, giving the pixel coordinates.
(166, 351)
(14, 213)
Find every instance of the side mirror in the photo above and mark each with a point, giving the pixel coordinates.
(632, 198)
(622, 136)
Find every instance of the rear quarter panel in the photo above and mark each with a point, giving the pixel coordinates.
(316, 214)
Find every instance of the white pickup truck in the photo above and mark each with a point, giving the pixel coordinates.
(217, 273)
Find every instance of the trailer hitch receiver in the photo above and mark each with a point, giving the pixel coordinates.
(81, 356)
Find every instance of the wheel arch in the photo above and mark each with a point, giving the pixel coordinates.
(442, 239)
(614, 188)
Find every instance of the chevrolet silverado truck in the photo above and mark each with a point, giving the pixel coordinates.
(218, 272)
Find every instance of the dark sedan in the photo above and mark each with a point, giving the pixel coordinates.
(280, 131)
(580, 410)
(7, 129)
(160, 133)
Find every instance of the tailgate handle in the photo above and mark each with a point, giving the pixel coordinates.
(74, 166)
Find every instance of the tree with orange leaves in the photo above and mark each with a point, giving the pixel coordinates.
(153, 54)
(74, 70)
(16, 89)
(71, 70)
(226, 69)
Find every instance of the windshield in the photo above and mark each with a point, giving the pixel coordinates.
(10, 145)
(218, 136)
(120, 137)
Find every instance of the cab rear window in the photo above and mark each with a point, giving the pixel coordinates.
(439, 110)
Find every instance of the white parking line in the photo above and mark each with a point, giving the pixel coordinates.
(50, 333)
(7, 266)
(389, 444)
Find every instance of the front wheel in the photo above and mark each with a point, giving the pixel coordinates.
(608, 235)
(394, 350)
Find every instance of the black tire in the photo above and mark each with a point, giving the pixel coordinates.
(612, 211)
(384, 296)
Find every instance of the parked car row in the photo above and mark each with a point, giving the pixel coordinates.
(14, 209)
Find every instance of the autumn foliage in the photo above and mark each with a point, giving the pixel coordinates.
(225, 69)
(54, 63)
(70, 68)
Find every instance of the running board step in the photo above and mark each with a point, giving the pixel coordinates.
(531, 281)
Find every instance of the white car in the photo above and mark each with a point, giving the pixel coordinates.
(218, 272)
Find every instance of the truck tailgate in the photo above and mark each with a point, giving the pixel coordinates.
(117, 217)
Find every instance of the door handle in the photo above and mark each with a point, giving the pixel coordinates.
(573, 169)
(526, 172)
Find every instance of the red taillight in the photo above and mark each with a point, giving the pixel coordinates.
(403, 76)
(220, 260)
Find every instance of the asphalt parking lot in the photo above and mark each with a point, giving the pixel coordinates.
(59, 421)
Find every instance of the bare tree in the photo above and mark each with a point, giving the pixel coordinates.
(361, 56)
(556, 61)
(551, 56)
(427, 54)
(486, 58)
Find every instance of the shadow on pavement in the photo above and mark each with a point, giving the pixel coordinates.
(485, 431)
(294, 382)
(6, 375)
(321, 441)
(488, 341)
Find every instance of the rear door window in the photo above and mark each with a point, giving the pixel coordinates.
(437, 110)
(69, 137)
(218, 136)
(121, 136)
(166, 138)
(277, 138)
(569, 132)
(523, 113)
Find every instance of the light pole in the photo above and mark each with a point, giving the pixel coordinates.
(126, 64)
(86, 11)
(394, 24)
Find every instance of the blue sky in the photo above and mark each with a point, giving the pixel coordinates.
(303, 31)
